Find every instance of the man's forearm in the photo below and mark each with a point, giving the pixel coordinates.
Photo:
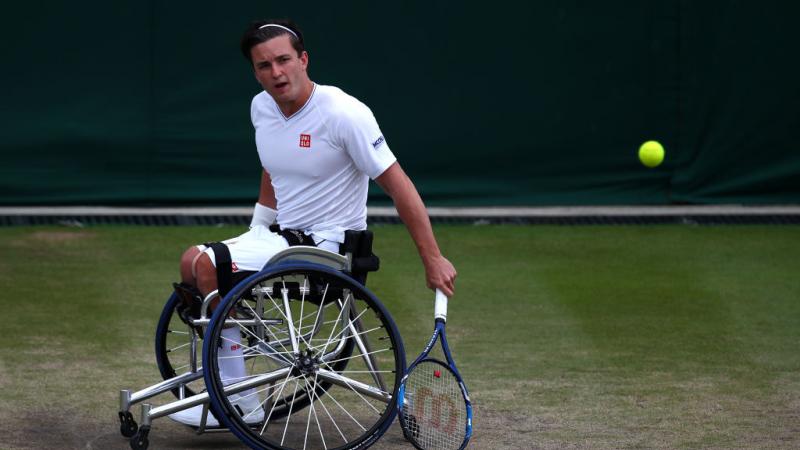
(411, 209)
(439, 272)
(412, 212)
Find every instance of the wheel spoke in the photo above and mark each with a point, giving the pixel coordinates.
(289, 323)
(334, 361)
(356, 387)
(179, 347)
(308, 420)
(314, 409)
(333, 421)
(331, 396)
(247, 331)
(302, 306)
(178, 332)
(272, 410)
(289, 416)
(357, 334)
(344, 328)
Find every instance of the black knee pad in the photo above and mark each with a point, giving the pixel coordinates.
(191, 301)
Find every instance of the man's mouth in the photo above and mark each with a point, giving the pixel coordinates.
(281, 85)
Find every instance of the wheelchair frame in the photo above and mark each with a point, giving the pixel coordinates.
(353, 335)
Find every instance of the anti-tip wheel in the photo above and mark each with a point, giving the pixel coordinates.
(140, 441)
(127, 426)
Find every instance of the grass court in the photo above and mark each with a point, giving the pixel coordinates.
(568, 337)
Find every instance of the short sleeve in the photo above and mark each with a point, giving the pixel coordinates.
(254, 110)
(363, 140)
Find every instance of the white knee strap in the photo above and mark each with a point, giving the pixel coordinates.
(202, 249)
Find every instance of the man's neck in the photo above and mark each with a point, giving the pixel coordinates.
(290, 108)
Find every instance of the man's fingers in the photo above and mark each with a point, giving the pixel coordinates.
(441, 275)
(447, 291)
(446, 286)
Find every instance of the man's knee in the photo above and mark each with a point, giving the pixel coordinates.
(188, 260)
(205, 273)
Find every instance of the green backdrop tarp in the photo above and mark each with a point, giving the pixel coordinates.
(500, 103)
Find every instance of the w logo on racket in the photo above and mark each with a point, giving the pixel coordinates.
(437, 410)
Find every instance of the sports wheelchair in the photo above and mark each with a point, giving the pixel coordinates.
(323, 357)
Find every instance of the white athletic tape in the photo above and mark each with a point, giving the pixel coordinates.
(263, 215)
(440, 310)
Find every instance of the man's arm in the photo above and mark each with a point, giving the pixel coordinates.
(266, 194)
(439, 272)
(264, 212)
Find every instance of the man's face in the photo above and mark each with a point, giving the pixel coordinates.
(279, 70)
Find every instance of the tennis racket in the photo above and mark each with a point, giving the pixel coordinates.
(433, 403)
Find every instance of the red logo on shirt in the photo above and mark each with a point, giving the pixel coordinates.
(305, 140)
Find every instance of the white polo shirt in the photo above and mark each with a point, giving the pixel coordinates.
(320, 160)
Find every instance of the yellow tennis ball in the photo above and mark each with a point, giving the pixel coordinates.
(651, 153)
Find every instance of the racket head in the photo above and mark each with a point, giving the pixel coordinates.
(434, 407)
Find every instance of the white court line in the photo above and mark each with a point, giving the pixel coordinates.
(387, 211)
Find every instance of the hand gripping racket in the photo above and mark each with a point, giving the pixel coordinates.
(433, 403)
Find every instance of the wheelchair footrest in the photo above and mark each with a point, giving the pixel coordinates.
(191, 302)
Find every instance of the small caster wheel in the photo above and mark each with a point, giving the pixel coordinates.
(127, 426)
(411, 432)
(413, 426)
(139, 441)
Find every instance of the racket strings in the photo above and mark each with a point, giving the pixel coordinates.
(435, 412)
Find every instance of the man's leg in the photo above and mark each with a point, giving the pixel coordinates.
(231, 358)
(198, 269)
(188, 260)
(205, 274)
(231, 353)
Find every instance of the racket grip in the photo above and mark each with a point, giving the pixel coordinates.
(440, 309)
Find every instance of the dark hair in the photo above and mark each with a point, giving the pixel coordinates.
(256, 33)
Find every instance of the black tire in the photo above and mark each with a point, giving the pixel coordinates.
(172, 346)
(327, 368)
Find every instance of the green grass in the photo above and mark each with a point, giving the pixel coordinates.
(585, 337)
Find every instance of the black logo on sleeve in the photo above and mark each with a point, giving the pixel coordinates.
(377, 142)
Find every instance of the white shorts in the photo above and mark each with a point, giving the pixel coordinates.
(251, 251)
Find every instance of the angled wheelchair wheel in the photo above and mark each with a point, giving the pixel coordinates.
(323, 360)
(173, 347)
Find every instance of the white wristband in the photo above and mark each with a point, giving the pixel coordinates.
(263, 215)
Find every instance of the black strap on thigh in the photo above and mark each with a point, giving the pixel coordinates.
(293, 237)
(222, 258)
